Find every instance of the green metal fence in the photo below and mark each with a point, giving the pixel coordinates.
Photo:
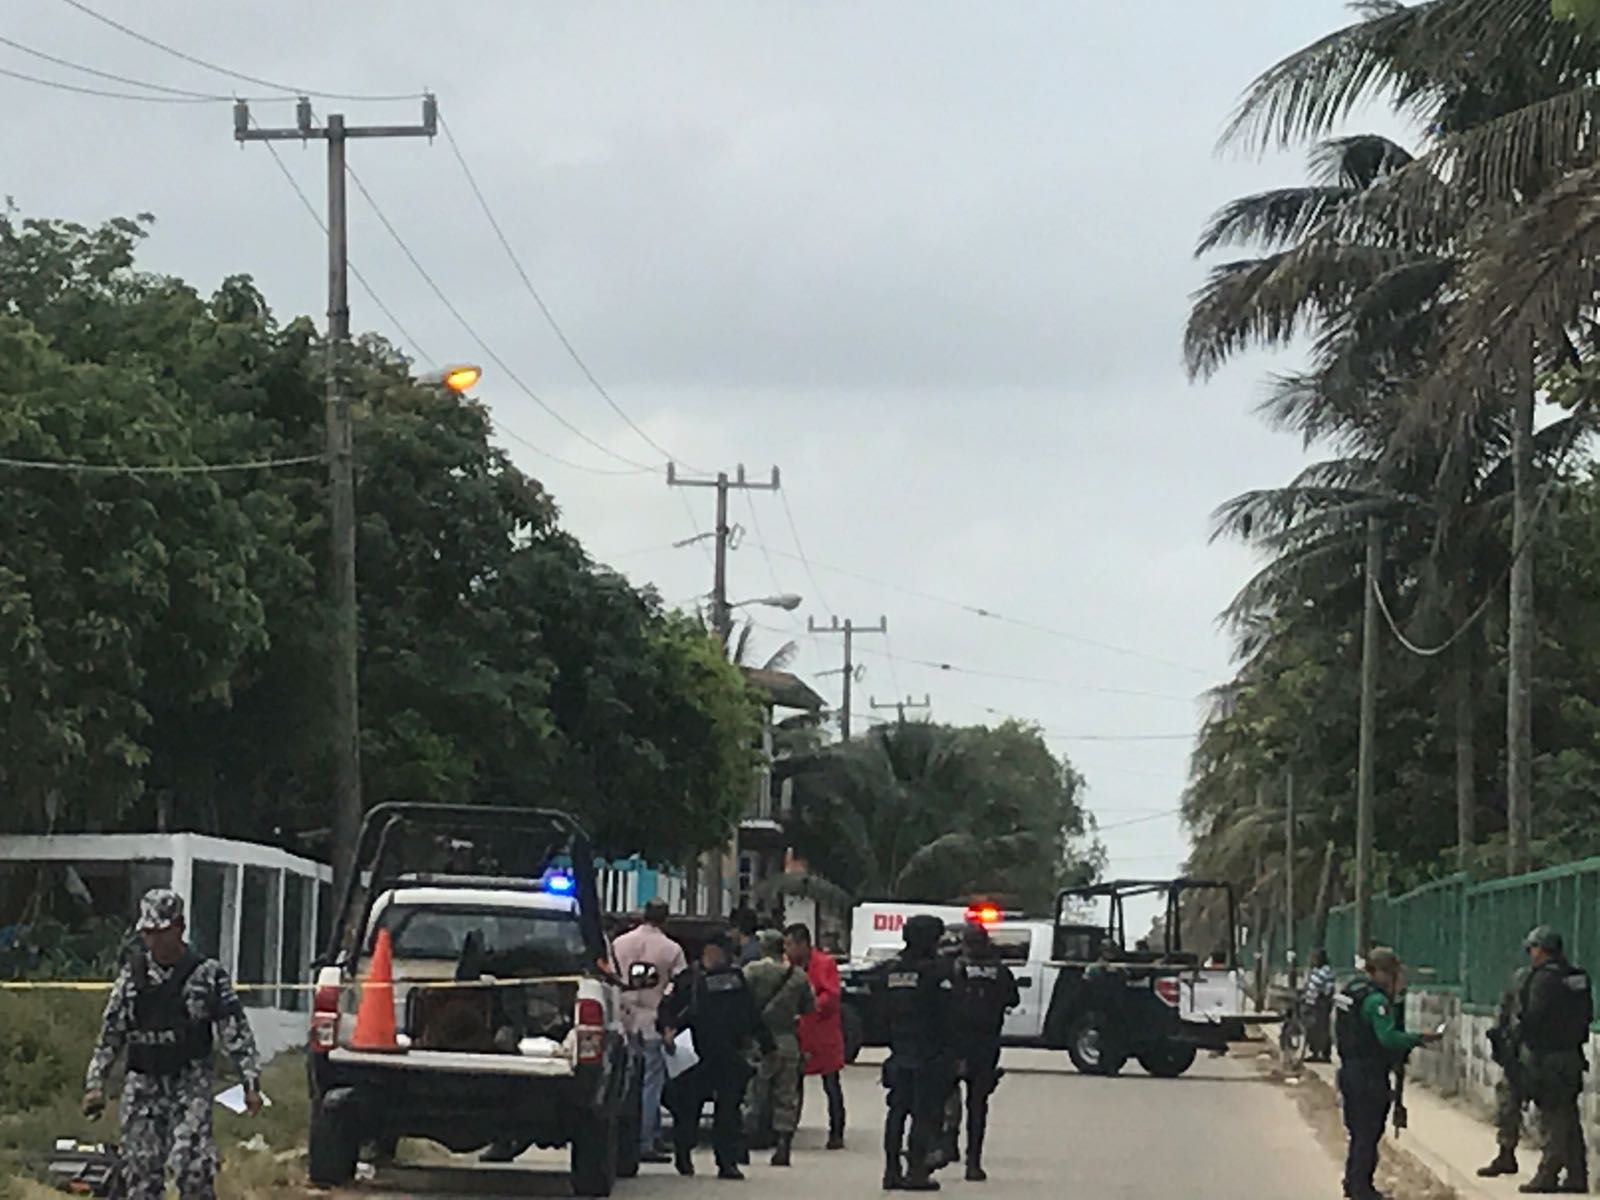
(1455, 933)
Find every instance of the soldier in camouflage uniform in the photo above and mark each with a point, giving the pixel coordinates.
(1510, 1096)
(163, 1007)
(781, 992)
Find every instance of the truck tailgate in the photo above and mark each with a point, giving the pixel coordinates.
(455, 1061)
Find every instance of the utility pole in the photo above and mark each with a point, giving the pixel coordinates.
(340, 450)
(721, 614)
(1288, 877)
(1367, 747)
(902, 707)
(1522, 635)
(848, 630)
(722, 623)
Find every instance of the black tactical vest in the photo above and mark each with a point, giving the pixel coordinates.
(1567, 1026)
(164, 1038)
(1357, 1040)
(981, 994)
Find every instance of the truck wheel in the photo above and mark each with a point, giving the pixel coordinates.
(1169, 1059)
(332, 1149)
(594, 1155)
(1092, 1050)
(854, 1032)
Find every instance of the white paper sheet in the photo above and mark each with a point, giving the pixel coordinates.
(682, 1056)
(233, 1099)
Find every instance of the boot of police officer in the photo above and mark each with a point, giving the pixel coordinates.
(1509, 1094)
(917, 993)
(984, 990)
(1371, 1046)
(1556, 1010)
(164, 1006)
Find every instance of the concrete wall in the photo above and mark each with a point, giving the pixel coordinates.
(1460, 1066)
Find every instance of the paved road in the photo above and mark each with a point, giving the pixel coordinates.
(1219, 1133)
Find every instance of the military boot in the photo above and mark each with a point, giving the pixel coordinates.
(780, 1153)
(1505, 1163)
(894, 1177)
(1540, 1185)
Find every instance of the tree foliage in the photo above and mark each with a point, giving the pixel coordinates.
(921, 811)
(163, 636)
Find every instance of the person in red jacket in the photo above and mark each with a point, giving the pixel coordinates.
(821, 1030)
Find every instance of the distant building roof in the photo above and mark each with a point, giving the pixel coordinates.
(785, 690)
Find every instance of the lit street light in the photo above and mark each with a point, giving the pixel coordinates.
(457, 378)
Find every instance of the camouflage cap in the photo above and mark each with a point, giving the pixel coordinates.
(1544, 938)
(160, 908)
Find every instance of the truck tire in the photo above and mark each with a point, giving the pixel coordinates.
(594, 1155)
(1169, 1059)
(855, 1032)
(332, 1149)
(1092, 1050)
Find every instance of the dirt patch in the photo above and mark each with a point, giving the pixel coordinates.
(1400, 1174)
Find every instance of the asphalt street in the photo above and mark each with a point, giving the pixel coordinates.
(1219, 1133)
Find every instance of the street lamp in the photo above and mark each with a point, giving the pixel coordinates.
(457, 378)
(787, 601)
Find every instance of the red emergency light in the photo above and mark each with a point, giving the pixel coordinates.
(983, 914)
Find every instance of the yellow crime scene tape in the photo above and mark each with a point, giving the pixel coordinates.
(92, 985)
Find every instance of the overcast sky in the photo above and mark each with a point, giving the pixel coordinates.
(930, 258)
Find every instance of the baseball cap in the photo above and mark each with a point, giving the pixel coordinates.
(160, 908)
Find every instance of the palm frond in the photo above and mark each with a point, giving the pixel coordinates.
(1271, 220)
(1358, 161)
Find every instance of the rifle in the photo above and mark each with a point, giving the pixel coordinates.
(1401, 1117)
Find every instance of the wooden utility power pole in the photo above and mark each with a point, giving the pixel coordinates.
(848, 631)
(721, 614)
(1366, 750)
(340, 450)
(902, 707)
(713, 865)
(1523, 635)
(1288, 878)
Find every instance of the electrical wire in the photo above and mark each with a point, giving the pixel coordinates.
(377, 300)
(102, 92)
(544, 308)
(976, 673)
(990, 614)
(229, 72)
(87, 468)
(800, 551)
(185, 93)
(634, 466)
(1517, 551)
(1156, 816)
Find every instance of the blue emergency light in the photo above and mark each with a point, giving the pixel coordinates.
(560, 883)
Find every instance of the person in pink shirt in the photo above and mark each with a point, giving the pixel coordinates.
(647, 959)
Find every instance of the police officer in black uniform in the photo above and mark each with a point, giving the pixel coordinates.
(917, 995)
(713, 1001)
(1556, 1010)
(984, 990)
(1371, 1046)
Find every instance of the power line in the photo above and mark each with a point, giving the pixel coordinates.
(422, 354)
(544, 308)
(800, 552)
(951, 668)
(1117, 737)
(992, 615)
(87, 468)
(1156, 816)
(185, 93)
(102, 92)
(636, 467)
(221, 70)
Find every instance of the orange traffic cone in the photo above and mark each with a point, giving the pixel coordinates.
(375, 1017)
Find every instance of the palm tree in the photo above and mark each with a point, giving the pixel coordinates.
(1508, 91)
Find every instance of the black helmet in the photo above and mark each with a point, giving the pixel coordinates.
(1544, 938)
(922, 932)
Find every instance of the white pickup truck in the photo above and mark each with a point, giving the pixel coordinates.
(506, 1026)
(1081, 990)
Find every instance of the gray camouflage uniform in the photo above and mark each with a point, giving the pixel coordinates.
(166, 1119)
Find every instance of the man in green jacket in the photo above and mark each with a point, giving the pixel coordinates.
(782, 993)
(1371, 1045)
